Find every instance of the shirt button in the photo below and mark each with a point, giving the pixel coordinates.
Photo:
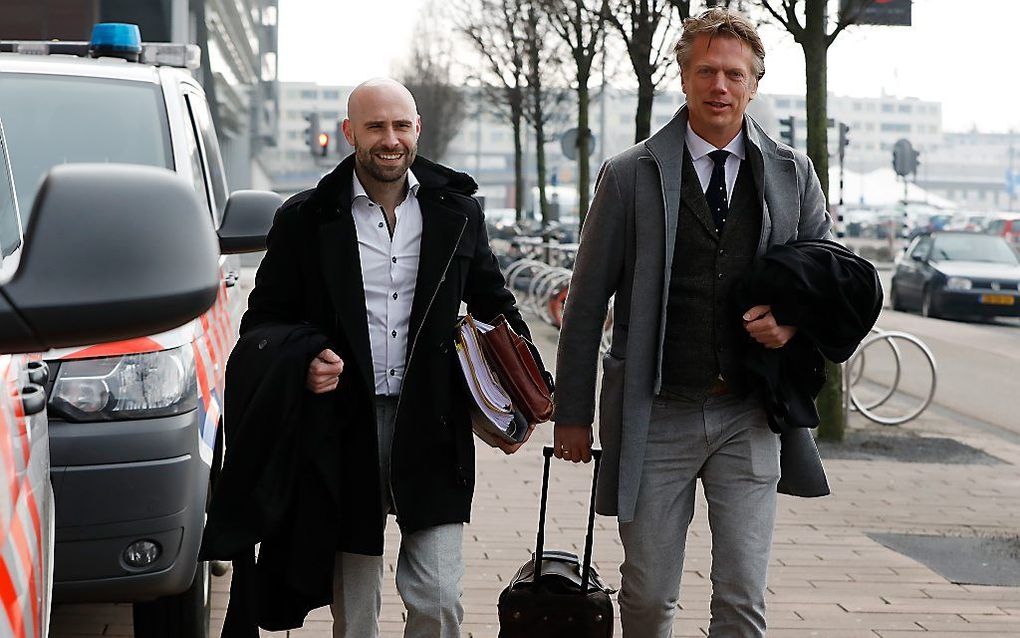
(395, 294)
(720, 275)
(393, 373)
(371, 205)
(380, 224)
(722, 252)
(394, 259)
(393, 334)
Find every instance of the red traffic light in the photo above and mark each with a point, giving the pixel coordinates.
(323, 140)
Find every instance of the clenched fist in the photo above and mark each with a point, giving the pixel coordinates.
(324, 372)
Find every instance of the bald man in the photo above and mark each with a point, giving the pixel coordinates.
(379, 256)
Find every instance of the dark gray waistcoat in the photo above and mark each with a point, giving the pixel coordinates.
(705, 337)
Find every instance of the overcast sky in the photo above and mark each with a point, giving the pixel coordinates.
(967, 59)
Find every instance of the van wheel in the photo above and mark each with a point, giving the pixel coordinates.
(185, 615)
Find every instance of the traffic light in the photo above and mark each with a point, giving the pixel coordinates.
(323, 143)
(844, 139)
(905, 158)
(312, 133)
(788, 130)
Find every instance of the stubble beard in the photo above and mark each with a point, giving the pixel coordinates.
(367, 161)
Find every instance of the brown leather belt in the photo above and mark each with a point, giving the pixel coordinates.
(719, 388)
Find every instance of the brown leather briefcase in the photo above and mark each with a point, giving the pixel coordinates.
(511, 359)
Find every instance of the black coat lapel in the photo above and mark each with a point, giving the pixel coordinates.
(441, 229)
(341, 268)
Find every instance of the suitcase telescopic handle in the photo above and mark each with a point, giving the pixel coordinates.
(547, 451)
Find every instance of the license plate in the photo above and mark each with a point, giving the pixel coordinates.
(998, 300)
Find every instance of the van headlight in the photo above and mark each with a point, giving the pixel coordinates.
(126, 387)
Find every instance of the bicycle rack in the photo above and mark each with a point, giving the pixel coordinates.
(853, 373)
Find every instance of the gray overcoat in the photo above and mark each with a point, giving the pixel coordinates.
(627, 250)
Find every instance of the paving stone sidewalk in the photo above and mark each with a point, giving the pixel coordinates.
(827, 577)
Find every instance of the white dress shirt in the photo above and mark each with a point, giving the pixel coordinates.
(703, 164)
(389, 268)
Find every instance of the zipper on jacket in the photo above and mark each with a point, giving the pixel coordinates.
(410, 358)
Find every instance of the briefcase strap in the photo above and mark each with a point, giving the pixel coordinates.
(547, 452)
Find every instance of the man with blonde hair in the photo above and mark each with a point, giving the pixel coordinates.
(675, 221)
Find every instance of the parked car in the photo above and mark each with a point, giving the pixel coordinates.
(134, 430)
(68, 280)
(1005, 225)
(955, 273)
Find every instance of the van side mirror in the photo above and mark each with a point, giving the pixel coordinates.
(112, 251)
(246, 221)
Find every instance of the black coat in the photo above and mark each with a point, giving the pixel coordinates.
(834, 298)
(312, 274)
(279, 485)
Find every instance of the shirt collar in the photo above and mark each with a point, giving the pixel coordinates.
(699, 147)
(358, 190)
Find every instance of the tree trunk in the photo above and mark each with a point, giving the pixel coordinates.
(515, 124)
(543, 201)
(643, 116)
(583, 149)
(832, 418)
(816, 66)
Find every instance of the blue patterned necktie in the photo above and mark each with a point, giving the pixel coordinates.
(716, 193)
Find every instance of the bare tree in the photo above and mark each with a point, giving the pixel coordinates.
(647, 30)
(543, 96)
(427, 74)
(808, 22)
(580, 24)
(492, 28)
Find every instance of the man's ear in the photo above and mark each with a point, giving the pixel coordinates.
(417, 126)
(683, 82)
(348, 131)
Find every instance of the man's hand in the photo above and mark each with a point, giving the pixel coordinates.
(324, 372)
(510, 448)
(761, 325)
(572, 442)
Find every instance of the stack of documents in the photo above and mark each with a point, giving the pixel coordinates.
(492, 415)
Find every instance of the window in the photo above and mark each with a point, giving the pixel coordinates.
(783, 103)
(195, 159)
(309, 94)
(904, 108)
(214, 162)
(887, 108)
(895, 127)
(857, 106)
(10, 229)
(83, 120)
(922, 248)
(801, 104)
(331, 95)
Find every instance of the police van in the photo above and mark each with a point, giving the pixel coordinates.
(65, 281)
(134, 424)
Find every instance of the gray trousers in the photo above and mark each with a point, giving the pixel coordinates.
(430, 565)
(726, 442)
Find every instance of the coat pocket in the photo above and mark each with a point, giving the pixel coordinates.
(611, 401)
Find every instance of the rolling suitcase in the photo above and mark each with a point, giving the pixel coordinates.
(560, 595)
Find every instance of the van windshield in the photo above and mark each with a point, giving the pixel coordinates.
(57, 119)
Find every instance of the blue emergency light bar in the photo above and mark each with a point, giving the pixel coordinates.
(116, 39)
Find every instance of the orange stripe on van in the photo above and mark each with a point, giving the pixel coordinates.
(9, 599)
(141, 345)
(25, 555)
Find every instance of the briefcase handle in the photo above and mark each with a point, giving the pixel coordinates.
(547, 451)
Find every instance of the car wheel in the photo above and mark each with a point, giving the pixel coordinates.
(928, 306)
(894, 299)
(185, 615)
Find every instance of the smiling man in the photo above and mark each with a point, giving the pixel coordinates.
(675, 221)
(379, 257)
